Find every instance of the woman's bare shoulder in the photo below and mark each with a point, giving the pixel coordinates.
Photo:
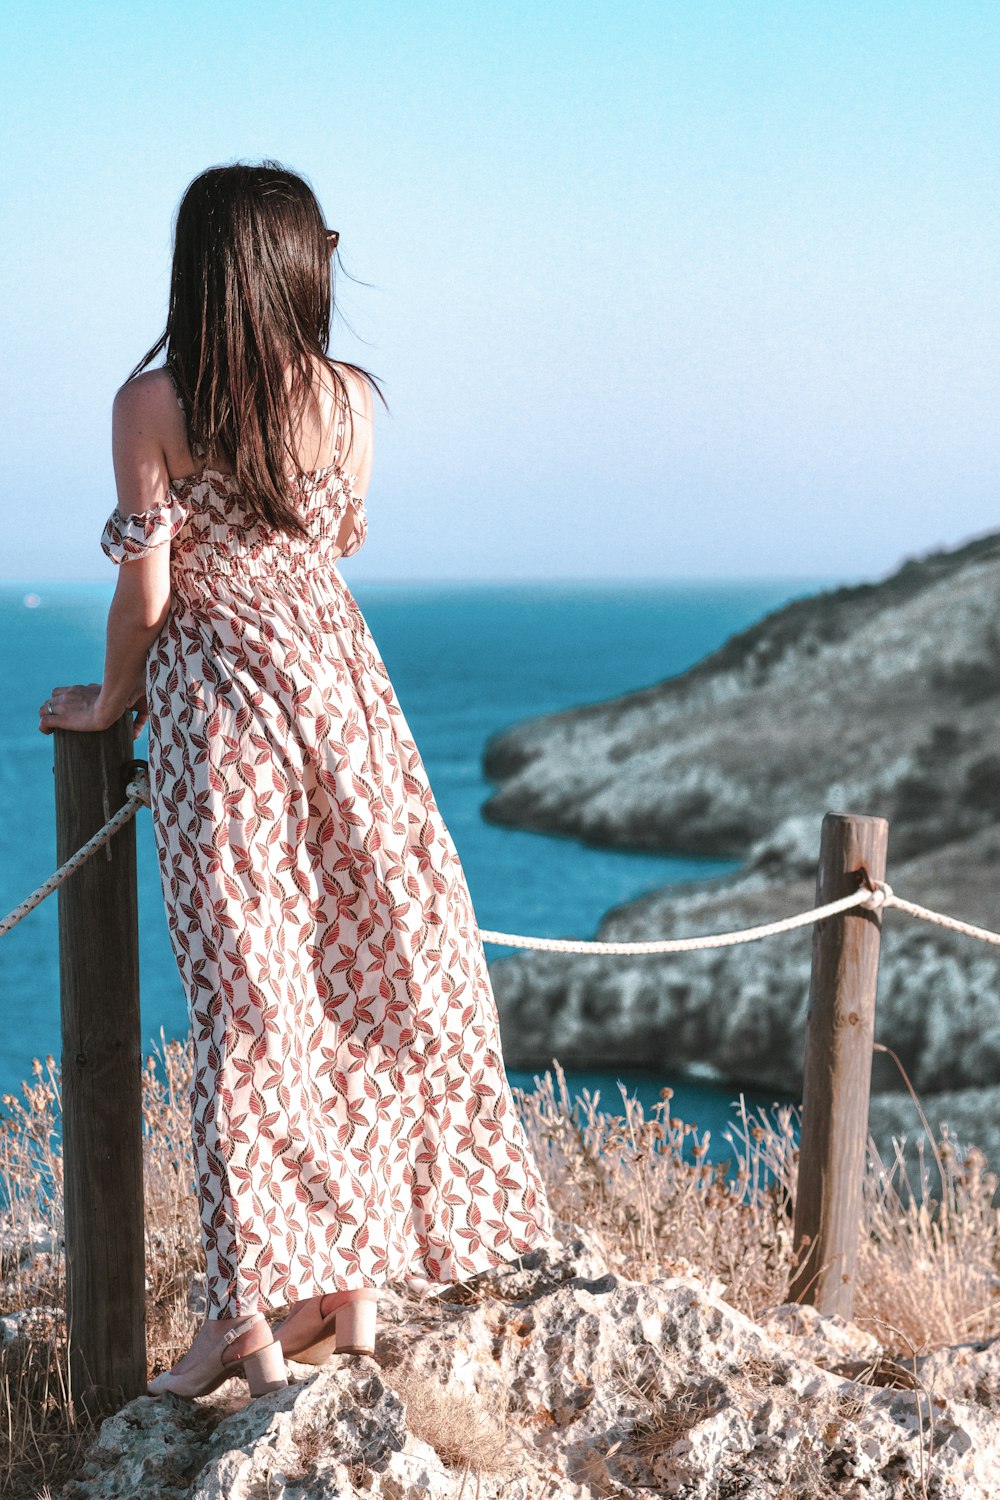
(146, 411)
(358, 390)
(149, 392)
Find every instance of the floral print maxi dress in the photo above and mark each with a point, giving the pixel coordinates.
(352, 1122)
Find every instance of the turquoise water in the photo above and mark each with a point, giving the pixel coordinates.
(466, 660)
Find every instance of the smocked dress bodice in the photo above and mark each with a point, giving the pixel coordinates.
(215, 534)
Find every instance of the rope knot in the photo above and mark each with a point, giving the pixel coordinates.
(138, 787)
(880, 893)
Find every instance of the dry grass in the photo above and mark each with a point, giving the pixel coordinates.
(669, 1416)
(928, 1272)
(45, 1434)
(467, 1429)
(929, 1259)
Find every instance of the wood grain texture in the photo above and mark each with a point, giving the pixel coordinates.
(838, 1065)
(101, 1074)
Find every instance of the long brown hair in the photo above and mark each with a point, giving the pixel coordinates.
(251, 301)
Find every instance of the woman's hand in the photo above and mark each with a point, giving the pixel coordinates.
(73, 708)
(80, 708)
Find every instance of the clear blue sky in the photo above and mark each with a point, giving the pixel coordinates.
(656, 290)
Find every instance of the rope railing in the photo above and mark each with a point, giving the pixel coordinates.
(879, 894)
(925, 914)
(864, 897)
(138, 795)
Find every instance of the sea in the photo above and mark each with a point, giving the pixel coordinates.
(466, 660)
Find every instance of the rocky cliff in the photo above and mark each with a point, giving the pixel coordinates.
(559, 1380)
(878, 699)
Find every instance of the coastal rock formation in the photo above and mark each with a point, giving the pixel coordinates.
(879, 699)
(558, 1380)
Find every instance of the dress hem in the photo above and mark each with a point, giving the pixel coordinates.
(305, 1289)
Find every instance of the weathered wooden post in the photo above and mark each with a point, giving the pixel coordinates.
(101, 1074)
(838, 1066)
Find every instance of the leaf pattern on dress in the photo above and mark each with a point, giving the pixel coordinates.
(352, 1122)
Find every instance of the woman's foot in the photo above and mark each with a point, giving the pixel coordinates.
(224, 1347)
(334, 1323)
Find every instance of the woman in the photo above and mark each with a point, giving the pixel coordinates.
(351, 1119)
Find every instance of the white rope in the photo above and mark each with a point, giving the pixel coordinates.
(879, 897)
(864, 897)
(138, 795)
(924, 914)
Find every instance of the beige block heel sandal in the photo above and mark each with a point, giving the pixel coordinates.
(263, 1369)
(348, 1327)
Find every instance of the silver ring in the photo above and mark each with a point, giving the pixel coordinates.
(49, 708)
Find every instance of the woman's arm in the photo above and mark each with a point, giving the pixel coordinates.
(141, 601)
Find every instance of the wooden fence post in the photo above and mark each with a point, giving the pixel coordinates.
(838, 1067)
(101, 1074)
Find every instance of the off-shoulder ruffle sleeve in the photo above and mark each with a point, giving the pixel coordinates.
(126, 537)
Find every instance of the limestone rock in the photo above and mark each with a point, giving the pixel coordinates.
(595, 1386)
